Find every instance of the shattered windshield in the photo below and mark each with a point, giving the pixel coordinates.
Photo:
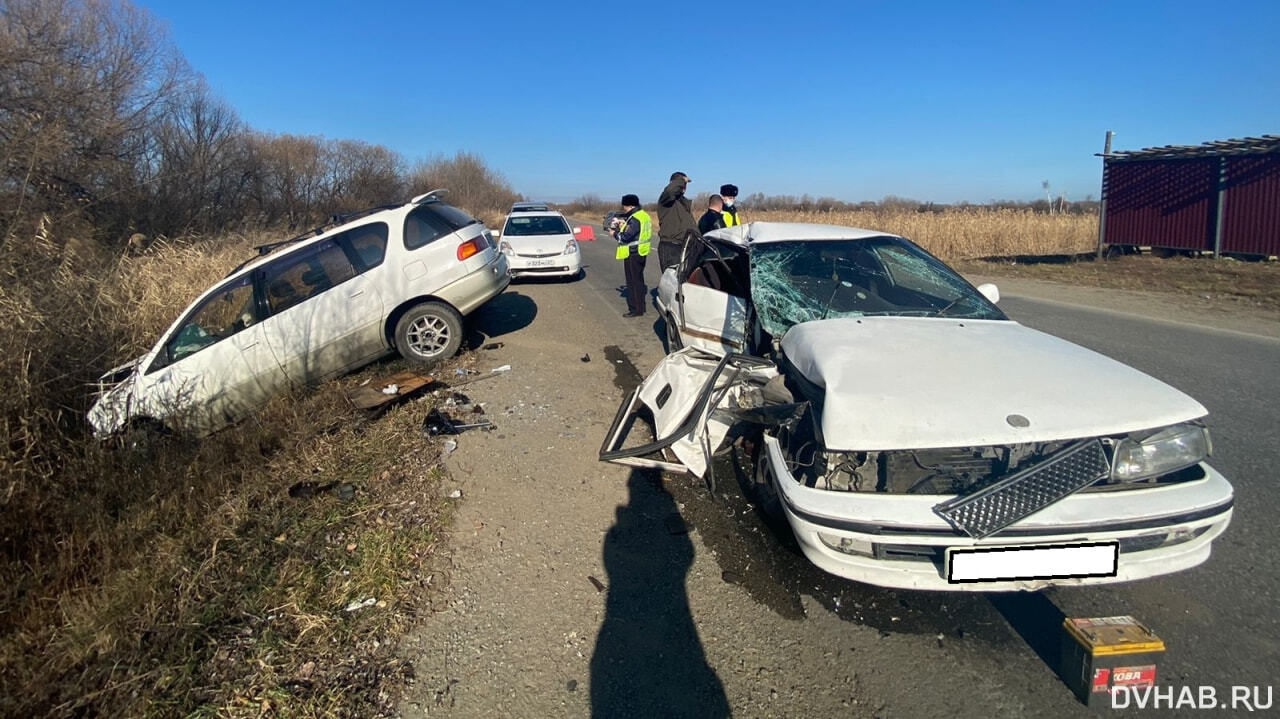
(794, 282)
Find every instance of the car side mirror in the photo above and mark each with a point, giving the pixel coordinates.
(990, 291)
(585, 233)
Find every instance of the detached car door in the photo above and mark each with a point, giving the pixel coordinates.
(713, 297)
(325, 314)
(214, 368)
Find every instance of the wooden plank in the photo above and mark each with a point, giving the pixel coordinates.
(371, 396)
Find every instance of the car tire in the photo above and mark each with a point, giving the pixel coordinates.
(764, 488)
(428, 333)
(673, 334)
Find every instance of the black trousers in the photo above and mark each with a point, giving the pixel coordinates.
(633, 266)
(669, 252)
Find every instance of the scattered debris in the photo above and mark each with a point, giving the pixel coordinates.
(599, 585)
(358, 604)
(387, 390)
(346, 491)
(464, 371)
(503, 368)
(450, 445)
(586, 357)
(306, 490)
(493, 346)
(571, 685)
(455, 494)
(438, 423)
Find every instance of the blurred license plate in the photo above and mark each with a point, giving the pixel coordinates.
(541, 263)
(1037, 561)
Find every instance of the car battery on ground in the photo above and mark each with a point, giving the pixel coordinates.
(1102, 653)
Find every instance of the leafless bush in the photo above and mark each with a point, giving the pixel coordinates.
(470, 182)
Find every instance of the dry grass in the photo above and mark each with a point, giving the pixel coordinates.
(965, 233)
(1227, 283)
(165, 576)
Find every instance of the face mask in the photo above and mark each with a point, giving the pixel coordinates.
(728, 202)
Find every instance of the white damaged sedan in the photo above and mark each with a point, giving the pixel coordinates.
(912, 435)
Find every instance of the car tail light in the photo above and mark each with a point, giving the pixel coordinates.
(471, 247)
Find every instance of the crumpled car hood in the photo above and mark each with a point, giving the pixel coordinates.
(916, 383)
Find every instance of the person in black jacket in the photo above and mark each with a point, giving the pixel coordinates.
(712, 219)
(675, 220)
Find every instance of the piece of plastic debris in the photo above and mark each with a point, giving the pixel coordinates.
(455, 494)
(391, 389)
(586, 358)
(306, 490)
(359, 604)
(571, 685)
(346, 491)
(599, 585)
(438, 423)
(450, 445)
(503, 368)
(493, 346)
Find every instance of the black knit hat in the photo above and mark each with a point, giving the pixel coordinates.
(729, 190)
(630, 201)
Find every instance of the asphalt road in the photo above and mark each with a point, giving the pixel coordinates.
(698, 607)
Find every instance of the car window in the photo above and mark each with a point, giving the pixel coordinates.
(545, 225)
(429, 222)
(368, 244)
(794, 282)
(306, 275)
(222, 314)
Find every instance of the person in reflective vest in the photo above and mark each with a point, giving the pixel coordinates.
(730, 195)
(633, 230)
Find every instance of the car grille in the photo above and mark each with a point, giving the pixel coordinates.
(533, 256)
(1026, 492)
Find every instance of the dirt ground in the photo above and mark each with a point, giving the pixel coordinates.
(1224, 285)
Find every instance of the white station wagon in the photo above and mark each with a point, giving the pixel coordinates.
(395, 278)
(912, 434)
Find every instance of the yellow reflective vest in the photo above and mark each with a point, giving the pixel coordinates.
(641, 244)
(730, 219)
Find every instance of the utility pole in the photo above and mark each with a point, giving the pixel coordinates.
(1102, 198)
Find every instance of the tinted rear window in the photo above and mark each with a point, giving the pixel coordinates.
(431, 221)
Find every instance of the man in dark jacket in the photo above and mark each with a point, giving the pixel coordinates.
(712, 219)
(675, 220)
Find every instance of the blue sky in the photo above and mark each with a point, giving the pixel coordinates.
(940, 101)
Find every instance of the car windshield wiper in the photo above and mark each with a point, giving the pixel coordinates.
(953, 303)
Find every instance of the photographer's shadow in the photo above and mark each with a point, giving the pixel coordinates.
(648, 660)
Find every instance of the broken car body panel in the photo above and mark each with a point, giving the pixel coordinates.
(914, 418)
(971, 375)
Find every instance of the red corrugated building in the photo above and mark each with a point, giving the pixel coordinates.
(1221, 197)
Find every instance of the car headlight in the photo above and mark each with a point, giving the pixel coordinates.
(570, 247)
(505, 248)
(1167, 450)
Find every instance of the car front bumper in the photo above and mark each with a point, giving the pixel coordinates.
(555, 265)
(896, 540)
